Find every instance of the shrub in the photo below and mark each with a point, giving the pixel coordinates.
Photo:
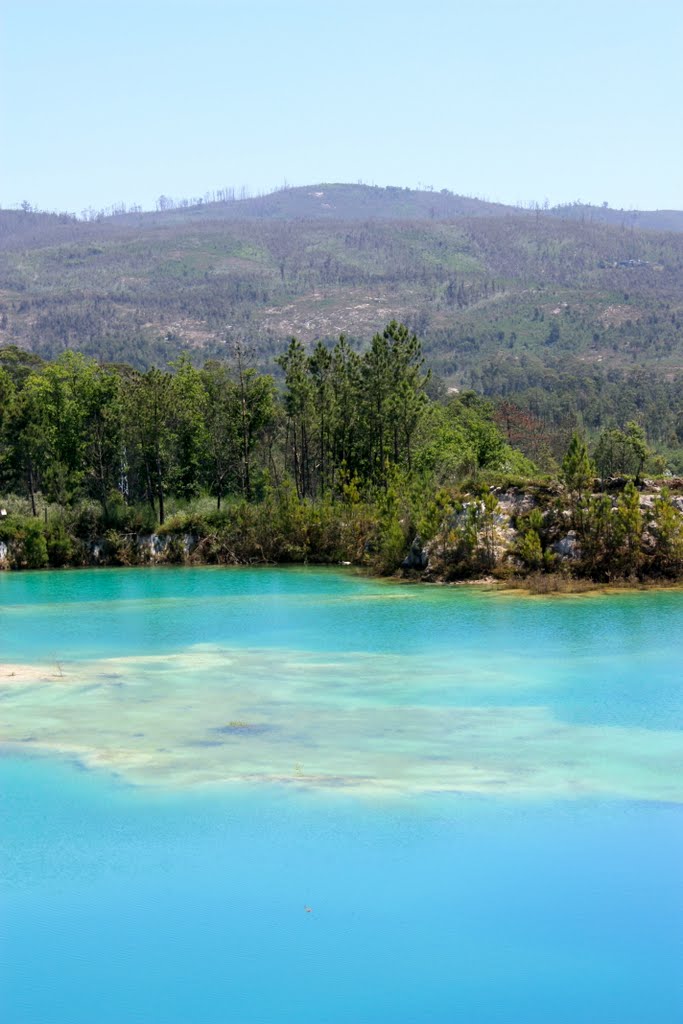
(26, 536)
(115, 514)
(34, 544)
(60, 546)
(118, 549)
(185, 522)
(141, 519)
(87, 519)
(529, 549)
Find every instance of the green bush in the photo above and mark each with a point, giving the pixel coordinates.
(9, 529)
(529, 550)
(60, 545)
(27, 537)
(87, 519)
(118, 548)
(115, 514)
(141, 519)
(185, 522)
(35, 545)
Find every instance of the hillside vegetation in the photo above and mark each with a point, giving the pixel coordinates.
(353, 461)
(574, 314)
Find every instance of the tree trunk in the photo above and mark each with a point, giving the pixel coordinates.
(31, 488)
(246, 469)
(150, 489)
(160, 492)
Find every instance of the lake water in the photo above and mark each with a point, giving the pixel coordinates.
(298, 795)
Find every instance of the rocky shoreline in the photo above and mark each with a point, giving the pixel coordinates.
(531, 536)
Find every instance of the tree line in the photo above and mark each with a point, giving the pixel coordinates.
(350, 455)
(73, 429)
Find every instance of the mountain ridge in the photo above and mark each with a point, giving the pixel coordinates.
(547, 309)
(345, 201)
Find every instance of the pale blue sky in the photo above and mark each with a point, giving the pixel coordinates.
(104, 101)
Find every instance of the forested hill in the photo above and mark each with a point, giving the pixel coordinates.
(574, 313)
(323, 202)
(313, 202)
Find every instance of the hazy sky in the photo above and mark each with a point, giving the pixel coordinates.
(118, 101)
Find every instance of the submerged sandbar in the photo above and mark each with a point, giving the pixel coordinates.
(374, 722)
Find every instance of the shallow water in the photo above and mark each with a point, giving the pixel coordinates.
(477, 795)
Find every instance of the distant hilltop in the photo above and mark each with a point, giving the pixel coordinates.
(574, 314)
(339, 201)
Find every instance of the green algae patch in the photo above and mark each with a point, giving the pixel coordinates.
(377, 723)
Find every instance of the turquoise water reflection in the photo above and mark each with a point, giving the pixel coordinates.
(120, 905)
(613, 658)
(479, 798)
(182, 677)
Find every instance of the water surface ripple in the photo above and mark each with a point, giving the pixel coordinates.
(319, 678)
(321, 799)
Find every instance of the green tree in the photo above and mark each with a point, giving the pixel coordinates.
(407, 399)
(101, 398)
(299, 407)
(640, 451)
(393, 399)
(668, 526)
(629, 530)
(446, 450)
(622, 452)
(321, 370)
(578, 469)
(346, 411)
(578, 472)
(475, 416)
(530, 550)
(150, 412)
(256, 398)
(529, 545)
(54, 428)
(599, 537)
(189, 435)
(375, 380)
(222, 420)
(7, 400)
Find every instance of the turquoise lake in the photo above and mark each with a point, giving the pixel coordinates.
(299, 795)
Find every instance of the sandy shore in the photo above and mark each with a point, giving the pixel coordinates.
(22, 675)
